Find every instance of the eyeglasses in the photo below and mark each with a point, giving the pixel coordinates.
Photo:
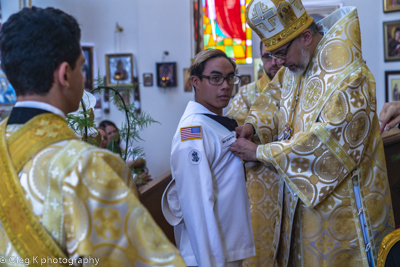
(219, 79)
(281, 55)
(266, 57)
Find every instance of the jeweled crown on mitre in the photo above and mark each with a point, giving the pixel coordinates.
(277, 22)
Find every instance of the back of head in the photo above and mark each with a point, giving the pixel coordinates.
(200, 60)
(33, 43)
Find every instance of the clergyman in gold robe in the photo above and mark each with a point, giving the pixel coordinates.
(260, 178)
(63, 201)
(240, 105)
(334, 204)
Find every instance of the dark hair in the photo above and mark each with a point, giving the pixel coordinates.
(106, 123)
(200, 60)
(33, 43)
(313, 28)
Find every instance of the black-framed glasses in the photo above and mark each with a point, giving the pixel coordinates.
(282, 55)
(216, 79)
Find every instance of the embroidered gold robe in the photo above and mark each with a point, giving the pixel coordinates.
(97, 213)
(336, 146)
(262, 181)
(240, 105)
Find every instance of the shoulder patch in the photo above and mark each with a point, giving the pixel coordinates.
(192, 132)
(194, 156)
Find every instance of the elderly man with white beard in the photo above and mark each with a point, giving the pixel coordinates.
(318, 121)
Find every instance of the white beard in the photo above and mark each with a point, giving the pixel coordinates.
(302, 65)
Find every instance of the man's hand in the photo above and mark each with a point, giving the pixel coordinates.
(390, 116)
(245, 131)
(244, 149)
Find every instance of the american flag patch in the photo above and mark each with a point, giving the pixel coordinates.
(193, 132)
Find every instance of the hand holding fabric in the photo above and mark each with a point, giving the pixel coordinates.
(244, 149)
(245, 131)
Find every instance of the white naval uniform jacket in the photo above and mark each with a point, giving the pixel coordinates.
(210, 183)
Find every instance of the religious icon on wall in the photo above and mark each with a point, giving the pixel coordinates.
(166, 74)
(148, 79)
(119, 69)
(245, 79)
(186, 79)
(392, 86)
(391, 31)
(87, 67)
(391, 5)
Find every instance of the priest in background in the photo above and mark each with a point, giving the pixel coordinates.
(63, 200)
(240, 104)
(259, 177)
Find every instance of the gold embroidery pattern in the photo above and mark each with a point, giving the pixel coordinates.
(23, 229)
(286, 35)
(337, 135)
(84, 209)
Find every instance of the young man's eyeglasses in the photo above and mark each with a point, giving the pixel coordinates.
(282, 55)
(217, 79)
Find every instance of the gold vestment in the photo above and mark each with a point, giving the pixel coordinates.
(85, 199)
(240, 105)
(262, 181)
(335, 146)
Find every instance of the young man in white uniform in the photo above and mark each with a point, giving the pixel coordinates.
(209, 190)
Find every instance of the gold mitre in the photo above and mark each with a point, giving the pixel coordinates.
(277, 22)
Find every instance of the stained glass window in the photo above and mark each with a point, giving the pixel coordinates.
(225, 28)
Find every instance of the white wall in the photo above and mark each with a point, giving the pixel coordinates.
(154, 26)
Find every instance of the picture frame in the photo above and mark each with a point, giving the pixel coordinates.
(391, 38)
(119, 69)
(245, 79)
(187, 84)
(166, 74)
(391, 6)
(147, 79)
(87, 68)
(392, 82)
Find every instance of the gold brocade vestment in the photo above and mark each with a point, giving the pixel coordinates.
(336, 145)
(262, 181)
(240, 105)
(86, 199)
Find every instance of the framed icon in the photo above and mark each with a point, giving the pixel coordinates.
(119, 69)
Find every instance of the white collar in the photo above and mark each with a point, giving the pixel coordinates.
(194, 108)
(39, 105)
